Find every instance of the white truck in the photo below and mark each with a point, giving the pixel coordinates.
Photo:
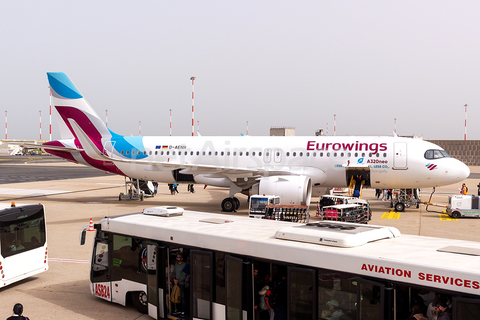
(258, 205)
(463, 205)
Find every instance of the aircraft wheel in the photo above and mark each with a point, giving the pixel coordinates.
(228, 205)
(399, 207)
(455, 214)
(139, 299)
(237, 203)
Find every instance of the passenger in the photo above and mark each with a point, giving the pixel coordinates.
(19, 245)
(337, 313)
(384, 198)
(17, 313)
(378, 193)
(155, 187)
(280, 308)
(389, 194)
(179, 279)
(444, 312)
(325, 314)
(418, 312)
(175, 188)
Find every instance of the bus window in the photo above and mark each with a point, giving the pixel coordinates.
(233, 285)
(220, 278)
(301, 284)
(127, 259)
(21, 232)
(202, 284)
(337, 295)
(100, 262)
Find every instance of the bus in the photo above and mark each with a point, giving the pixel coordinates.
(223, 265)
(23, 242)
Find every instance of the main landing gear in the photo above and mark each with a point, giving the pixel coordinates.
(230, 204)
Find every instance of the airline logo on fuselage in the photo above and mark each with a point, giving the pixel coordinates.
(354, 146)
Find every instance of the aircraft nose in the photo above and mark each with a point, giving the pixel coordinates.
(463, 171)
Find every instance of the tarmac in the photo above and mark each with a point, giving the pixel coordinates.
(75, 194)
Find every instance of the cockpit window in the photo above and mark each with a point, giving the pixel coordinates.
(436, 154)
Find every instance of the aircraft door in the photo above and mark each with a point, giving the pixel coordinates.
(400, 155)
(277, 155)
(267, 155)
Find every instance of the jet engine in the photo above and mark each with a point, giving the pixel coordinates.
(292, 190)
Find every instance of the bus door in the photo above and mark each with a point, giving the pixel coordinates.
(371, 300)
(238, 283)
(100, 271)
(301, 293)
(153, 261)
(201, 268)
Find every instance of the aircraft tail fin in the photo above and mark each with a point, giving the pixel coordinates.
(70, 104)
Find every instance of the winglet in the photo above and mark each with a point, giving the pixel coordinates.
(87, 144)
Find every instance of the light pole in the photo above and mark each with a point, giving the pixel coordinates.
(193, 104)
(465, 136)
(334, 124)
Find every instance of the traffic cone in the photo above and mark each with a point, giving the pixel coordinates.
(90, 227)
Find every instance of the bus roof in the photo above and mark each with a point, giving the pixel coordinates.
(425, 261)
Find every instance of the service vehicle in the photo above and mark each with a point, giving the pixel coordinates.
(404, 198)
(463, 205)
(350, 212)
(362, 269)
(23, 242)
(329, 200)
(258, 205)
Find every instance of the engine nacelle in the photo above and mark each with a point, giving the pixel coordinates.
(292, 190)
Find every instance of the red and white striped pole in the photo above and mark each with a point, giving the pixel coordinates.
(50, 127)
(170, 122)
(5, 124)
(334, 124)
(198, 127)
(247, 128)
(327, 128)
(106, 118)
(193, 104)
(465, 138)
(139, 128)
(395, 128)
(40, 124)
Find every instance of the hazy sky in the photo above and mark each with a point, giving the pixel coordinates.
(271, 63)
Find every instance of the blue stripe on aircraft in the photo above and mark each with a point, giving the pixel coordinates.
(62, 85)
(132, 144)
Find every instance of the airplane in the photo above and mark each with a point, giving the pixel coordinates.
(292, 167)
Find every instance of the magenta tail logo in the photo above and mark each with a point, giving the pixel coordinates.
(431, 166)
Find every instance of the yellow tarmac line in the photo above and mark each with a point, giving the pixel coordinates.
(391, 215)
(446, 217)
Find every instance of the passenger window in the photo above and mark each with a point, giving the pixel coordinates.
(203, 153)
(307, 154)
(334, 154)
(260, 154)
(253, 153)
(240, 153)
(121, 152)
(168, 152)
(328, 154)
(234, 153)
(173, 153)
(198, 153)
(228, 153)
(314, 154)
(156, 153)
(221, 153)
(209, 153)
(321, 154)
(216, 153)
(288, 154)
(294, 154)
(246, 153)
(301, 154)
(342, 154)
(128, 152)
(127, 259)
